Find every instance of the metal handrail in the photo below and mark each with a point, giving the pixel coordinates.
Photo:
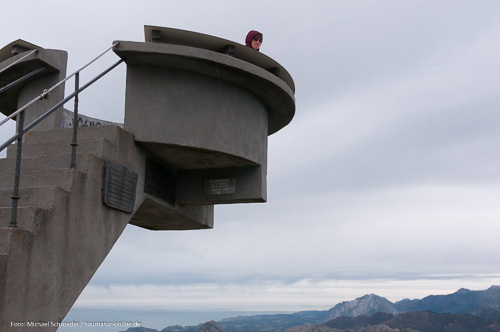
(56, 106)
(21, 129)
(22, 79)
(47, 91)
(18, 60)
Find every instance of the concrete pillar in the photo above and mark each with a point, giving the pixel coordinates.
(53, 63)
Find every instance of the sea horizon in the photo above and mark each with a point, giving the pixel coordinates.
(121, 319)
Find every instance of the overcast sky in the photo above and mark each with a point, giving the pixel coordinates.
(387, 181)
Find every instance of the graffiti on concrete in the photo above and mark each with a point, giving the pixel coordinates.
(86, 123)
(83, 121)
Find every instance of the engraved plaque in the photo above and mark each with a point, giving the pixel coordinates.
(119, 187)
(220, 186)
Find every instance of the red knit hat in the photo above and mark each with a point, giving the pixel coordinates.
(250, 35)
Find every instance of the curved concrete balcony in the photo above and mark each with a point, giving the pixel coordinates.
(202, 102)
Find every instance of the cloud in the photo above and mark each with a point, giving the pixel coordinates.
(304, 294)
(420, 231)
(385, 182)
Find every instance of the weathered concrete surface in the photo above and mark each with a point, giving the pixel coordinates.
(54, 62)
(64, 230)
(194, 113)
(195, 134)
(249, 182)
(276, 94)
(205, 114)
(58, 245)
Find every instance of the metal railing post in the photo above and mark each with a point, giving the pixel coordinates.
(75, 122)
(17, 173)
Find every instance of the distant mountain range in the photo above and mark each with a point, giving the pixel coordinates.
(485, 304)
(423, 321)
(462, 311)
(365, 305)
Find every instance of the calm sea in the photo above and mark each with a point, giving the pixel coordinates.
(116, 320)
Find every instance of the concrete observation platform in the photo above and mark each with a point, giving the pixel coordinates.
(203, 107)
(198, 113)
(200, 109)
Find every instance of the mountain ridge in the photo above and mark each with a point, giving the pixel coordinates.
(423, 321)
(365, 305)
(462, 301)
(476, 310)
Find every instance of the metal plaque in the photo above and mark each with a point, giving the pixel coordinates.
(119, 187)
(220, 186)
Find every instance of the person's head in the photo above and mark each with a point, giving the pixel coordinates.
(254, 39)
